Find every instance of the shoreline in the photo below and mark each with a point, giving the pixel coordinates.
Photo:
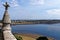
(31, 36)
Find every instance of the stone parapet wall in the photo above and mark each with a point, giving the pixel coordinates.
(8, 35)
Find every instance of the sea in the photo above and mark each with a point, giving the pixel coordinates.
(49, 30)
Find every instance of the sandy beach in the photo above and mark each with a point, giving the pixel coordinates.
(31, 36)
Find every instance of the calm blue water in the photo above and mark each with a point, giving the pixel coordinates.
(52, 30)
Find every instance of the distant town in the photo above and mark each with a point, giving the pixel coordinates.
(14, 22)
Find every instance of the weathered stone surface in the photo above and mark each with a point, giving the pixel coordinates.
(8, 35)
(6, 18)
(6, 27)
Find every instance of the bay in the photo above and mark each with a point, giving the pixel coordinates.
(50, 30)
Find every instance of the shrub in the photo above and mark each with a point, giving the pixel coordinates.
(18, 37)
(42, 38)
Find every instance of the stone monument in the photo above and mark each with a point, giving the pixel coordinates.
(6, 29)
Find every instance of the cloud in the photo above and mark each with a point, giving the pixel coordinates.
(1, 3)
(36, 2)
(14, 3)
(52, 2)
(53, 14)
(54, 11)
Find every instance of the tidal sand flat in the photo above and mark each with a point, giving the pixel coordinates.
(31, 36)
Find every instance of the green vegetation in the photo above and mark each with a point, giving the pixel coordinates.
(42, 38)
(18, 37)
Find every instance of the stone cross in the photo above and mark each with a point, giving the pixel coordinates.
(6, 5)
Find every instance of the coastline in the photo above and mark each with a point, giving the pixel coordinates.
(30, 36)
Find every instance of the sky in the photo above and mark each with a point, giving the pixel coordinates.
(32, 9)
